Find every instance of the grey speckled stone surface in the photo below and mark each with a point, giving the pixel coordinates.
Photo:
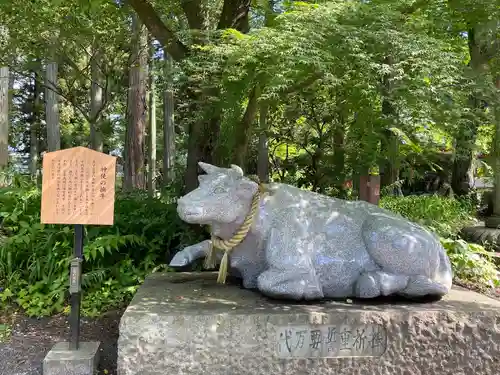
(306, 246)
(187, 324)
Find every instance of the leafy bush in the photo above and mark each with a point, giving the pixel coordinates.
(445, 216)
(34, 258)
(472, 263)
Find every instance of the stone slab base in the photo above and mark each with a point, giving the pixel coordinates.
(62, 361)
(186, 324)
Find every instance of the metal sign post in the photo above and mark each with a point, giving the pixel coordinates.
(75, 288)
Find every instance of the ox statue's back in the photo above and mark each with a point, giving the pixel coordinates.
(303, 245)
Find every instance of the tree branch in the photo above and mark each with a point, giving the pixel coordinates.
(52, 87)
(158, 29)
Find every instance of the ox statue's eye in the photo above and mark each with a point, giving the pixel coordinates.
(219, 190)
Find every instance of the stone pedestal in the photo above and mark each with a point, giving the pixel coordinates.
(482, 235)
(62, 361)
(187, 324)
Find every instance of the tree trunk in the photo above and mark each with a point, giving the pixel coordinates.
(11, 92)
(152, 127)
(263, 147)
(496, 167)
(235, 15)
(389, 171)
(35, 128)
(207, 131)
(52, 107)
(263, 151)
(496, 161)
(158, 29)
(203, 134)
(136, 109)
(339, 157)
(194, 152)
(168, 124)
(462, 176)
(4, 116)
(244, 131)
(96, 102)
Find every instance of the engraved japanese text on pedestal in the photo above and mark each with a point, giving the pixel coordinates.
(325, 341)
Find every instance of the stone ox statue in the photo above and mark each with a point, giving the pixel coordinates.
(303, 245)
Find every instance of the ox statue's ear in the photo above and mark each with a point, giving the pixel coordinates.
(209, 168)
(237, 169)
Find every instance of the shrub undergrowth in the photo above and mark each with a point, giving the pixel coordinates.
(35, 258)
(444, 216)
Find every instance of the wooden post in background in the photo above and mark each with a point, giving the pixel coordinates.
(369, 189)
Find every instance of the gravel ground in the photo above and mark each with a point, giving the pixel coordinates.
(31, 339)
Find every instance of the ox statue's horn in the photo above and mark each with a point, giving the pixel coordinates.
(237, 169)
(209, 168)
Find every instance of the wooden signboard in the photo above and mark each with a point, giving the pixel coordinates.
(78, 187)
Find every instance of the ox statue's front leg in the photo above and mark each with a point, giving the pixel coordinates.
(190, 253)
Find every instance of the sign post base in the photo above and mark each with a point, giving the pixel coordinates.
(62, 360)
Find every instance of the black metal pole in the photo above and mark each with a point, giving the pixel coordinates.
(75, 289)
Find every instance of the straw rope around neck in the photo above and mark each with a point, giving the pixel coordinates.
(228, 245)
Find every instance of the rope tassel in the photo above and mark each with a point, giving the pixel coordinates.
(228, 245)
(224, 265)
(210, 258)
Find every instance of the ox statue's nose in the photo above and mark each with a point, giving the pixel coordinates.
(189, 210)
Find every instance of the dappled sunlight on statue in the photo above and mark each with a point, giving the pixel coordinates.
(302, 245)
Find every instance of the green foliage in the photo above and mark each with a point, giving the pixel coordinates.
(79, 37)
(472, 263)
(326, 72)
(444, 216)
(34, 258)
